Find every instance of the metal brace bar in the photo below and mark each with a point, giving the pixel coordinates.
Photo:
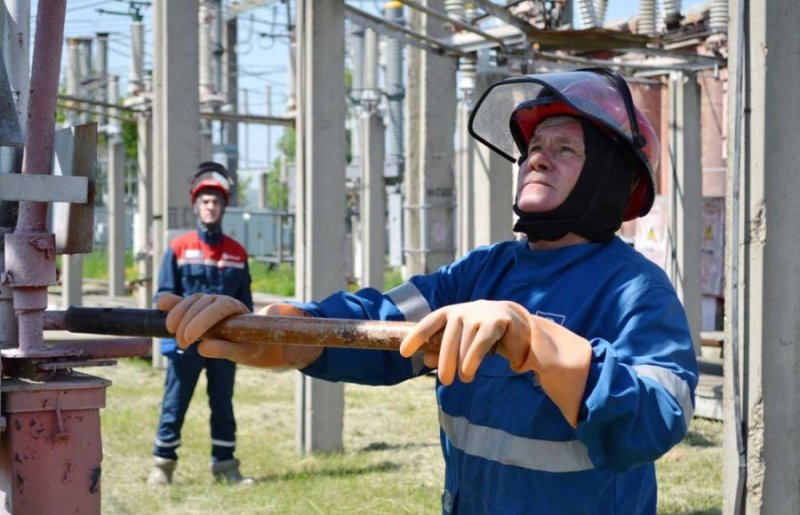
(31, 187)
(399, 32)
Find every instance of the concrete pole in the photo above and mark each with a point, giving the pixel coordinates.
(246, 128)
(101, 71)
(16, 53)
(268, 101)
(72, 264)
(394, 171)
(145, 205)
(291, 78)
(465, 209)
(412, 243)
(320, 218)
(217, 33)
(372, 200)
(686, 198)
(761, 468)
(176, 140)
(73, 79)
(86, 73)
(157, 198)
(135, 75)
(204, 52)
(207, 93)
(176, 108)
(263, 176)
(493, 192)
(231, 136)
(116, 201)
(356, 47)
(16, 57)
(435, 139)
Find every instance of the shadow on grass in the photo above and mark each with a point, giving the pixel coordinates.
(383, 446)
(692, 512)
(696, 439)
(332, 471)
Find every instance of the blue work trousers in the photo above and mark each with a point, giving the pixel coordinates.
(183, 372)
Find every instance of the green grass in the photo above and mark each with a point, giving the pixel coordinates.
(278, 280)
(267, 277)
(690, 475)
(391, 462)
(95, 265)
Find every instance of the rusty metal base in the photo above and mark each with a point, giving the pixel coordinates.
(51, 450)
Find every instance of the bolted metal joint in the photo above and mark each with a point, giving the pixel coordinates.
(29, 260)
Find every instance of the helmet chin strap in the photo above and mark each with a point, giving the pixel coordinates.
(595, 206)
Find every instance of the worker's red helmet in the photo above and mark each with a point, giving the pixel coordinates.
(210, 175)
(506, 116)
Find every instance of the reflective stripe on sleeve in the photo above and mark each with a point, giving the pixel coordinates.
(410, 301)
(502, 447)
(676, 386)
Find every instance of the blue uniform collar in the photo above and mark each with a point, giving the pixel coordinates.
(209, 237)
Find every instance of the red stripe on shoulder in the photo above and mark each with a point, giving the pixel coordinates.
(186, 240)
(232, 250)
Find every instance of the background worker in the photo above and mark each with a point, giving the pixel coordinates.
(566, 366)
(198, 262)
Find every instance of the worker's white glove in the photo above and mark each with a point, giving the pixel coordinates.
(559, 357)
(192, 317)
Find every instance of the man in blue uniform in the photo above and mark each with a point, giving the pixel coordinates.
(566, 366)
(199, 262)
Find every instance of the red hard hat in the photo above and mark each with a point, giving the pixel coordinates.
(507, 114)
(210, 175)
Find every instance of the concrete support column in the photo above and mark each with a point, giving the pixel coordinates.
(493, 192)
(465, 233)
(373, 204)
(321, 212)
(429, 181)
(16, 57)
(176, 109)
(72, 264)
(437, 114)
(412, 244)
(116, 200)
(231, 129)
(176, 138)
(145, 207)
(686, 198)
(762, 370)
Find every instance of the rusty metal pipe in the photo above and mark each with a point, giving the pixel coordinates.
(323, 332)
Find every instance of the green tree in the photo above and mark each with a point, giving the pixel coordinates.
(277, 191)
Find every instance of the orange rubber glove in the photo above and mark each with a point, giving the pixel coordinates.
(559, 358)
(191, 317)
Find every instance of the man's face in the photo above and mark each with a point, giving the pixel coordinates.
(555, 159)
(209, 206)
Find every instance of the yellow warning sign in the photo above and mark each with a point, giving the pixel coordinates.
(709, 235)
